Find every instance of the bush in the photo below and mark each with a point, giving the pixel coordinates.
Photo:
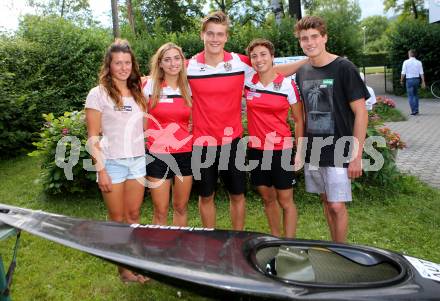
(280, 35)
(388, 176)
(385, 109)
(48, 66)
(63, 140)
(418, 35)
(374, 59)
(15, 123)
(70, 65)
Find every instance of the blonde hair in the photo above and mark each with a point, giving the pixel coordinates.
(158, 75)
(217, 17)
(133, 81)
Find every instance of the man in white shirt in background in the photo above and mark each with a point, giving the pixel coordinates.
(372, 100)
(412, 70)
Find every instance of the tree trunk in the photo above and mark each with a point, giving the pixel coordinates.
(414, 8)
(130, 15)
(62, 8)
(295, 9)
(115, 18)
(277, 9)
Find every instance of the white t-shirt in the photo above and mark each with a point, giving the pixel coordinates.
(372, 100)
(122, 128)
(412, 68)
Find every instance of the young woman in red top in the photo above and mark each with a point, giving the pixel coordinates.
(169, 138)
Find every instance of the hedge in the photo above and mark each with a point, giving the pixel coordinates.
(418, 35)
(49, 66)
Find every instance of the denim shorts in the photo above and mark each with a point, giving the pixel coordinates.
(124, 169)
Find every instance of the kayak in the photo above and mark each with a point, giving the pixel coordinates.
(240, 263)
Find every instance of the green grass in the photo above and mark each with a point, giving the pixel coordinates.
(374, 70)
(406, 220)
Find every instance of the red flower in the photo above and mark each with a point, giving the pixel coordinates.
(392, 139)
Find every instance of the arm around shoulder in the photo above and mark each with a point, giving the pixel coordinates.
(289, 69)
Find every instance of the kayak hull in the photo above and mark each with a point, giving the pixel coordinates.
(239, 263)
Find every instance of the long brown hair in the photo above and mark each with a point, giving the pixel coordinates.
(133, 82)
(158, 75)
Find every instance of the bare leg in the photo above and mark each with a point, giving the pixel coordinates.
(237, 207)
(161, 199)
(337, 219)
(133, 198)
(114, 201)
(290, 216)
(181, 193)
(207, 211)
(327, 215)
(269, 196)
(118, 211)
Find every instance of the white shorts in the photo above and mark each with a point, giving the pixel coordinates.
(332, 181)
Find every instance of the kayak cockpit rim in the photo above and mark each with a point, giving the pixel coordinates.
(298, 264)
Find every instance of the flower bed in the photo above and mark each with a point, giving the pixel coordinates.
(385, 108)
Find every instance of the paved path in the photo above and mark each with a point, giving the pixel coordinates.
(421, 134)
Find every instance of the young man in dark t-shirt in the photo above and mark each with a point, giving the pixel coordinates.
(336, 123)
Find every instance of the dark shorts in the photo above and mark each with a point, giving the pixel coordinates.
(164, 166)
(233, 179)
(271, 173)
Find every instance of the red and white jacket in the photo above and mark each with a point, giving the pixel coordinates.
(217, 94)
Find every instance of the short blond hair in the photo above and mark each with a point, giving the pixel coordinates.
(217, 17)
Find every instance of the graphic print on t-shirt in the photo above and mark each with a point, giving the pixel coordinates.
(318, 101)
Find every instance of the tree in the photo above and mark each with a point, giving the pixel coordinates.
(375, 28)
(343, 26)
(309, 5)
(413, 8)
(170, 15)
(115, 19)
(414, 34)
(130, 16)
(75, 10)
(243, 11)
